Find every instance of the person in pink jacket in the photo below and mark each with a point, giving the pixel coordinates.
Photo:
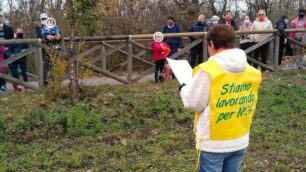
(160, 52)
(299, 23)
(3, 69)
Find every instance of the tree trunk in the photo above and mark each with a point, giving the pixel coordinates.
(73, 73)
(42, 6)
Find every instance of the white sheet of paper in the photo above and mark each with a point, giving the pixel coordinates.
(182, 70)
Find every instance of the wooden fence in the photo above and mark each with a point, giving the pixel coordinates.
(103, 47)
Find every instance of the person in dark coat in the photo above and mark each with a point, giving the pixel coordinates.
(196, 52)
(175, 44)
(281, 25)
(6, 32)
(228, 19)
(22, 63)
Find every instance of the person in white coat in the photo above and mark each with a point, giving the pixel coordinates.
(223, 93)
(261, 23)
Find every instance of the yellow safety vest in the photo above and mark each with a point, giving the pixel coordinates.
(233, 99)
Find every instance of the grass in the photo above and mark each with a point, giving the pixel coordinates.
(143, 127)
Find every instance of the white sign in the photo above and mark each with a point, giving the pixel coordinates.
(182, 70)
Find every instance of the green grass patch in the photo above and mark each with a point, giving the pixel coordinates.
(143, 127)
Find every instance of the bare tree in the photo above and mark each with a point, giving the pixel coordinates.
(74, 86)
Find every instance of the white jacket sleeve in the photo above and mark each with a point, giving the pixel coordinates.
(195, 96)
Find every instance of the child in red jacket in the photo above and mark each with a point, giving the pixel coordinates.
(160, 52)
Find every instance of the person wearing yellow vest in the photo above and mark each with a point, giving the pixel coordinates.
(224, 94)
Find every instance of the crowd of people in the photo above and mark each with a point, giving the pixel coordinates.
(262, 22)
(50, 36)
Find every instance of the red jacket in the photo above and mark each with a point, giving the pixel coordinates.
(160, 50)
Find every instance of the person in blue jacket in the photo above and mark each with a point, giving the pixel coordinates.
(196, 52)
(175, 44)
(14, 49)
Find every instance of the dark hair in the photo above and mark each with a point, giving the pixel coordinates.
(222, 35)
(228, 11)
(171, 18)
(283, 17)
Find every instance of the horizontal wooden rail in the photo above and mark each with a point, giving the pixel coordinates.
(142, 36)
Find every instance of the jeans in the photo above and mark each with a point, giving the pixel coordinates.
(23, 67)
(196, 54)
(221, 162)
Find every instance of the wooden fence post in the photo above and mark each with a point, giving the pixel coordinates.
(271, 52)
(237, 41)
(103, 52)
(39, 65)
(276, 50)
(205, 50)
(130, 61)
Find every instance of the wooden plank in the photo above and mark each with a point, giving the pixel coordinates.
(259, 44)
(130, 62)
(116, 48)
(205, 49)
(29, 74)
(17, 81)
(141, 53)
(295, 42)
(134, 56)
(110, 52)
(17, 57)
(39, 64)
(271, 52)
(93, 49)
(260, 64)
(276, 51)
(144, 74)
(103, 57)
(139, 45)
(187, 48)
(104, 72)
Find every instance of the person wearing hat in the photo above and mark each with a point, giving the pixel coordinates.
(6, 32)
(299, 23)
(51, 35)
(228, 19)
